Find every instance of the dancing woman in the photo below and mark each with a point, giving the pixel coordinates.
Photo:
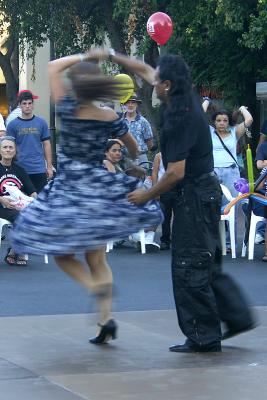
(85, 206)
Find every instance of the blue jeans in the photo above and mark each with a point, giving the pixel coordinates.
(227, 176)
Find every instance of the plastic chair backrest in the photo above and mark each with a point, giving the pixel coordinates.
(227, 193)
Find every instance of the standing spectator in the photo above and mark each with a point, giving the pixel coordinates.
(263, 133)
(2, 126)
(33, 142)
(225, 135)
(139, 127)
(16, 112)
(13, 115)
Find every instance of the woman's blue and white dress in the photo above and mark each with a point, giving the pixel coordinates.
(85, 206)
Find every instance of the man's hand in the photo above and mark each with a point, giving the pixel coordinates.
(138, 196)
(49, 173)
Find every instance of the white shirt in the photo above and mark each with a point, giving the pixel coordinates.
(2, 124)
(223, 159)
(14, 114)
(161, 170)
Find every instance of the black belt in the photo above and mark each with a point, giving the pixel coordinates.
(229, 166)
(200, 178)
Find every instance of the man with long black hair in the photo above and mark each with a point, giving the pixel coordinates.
(204, 295)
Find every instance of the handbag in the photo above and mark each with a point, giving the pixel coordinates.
(241, 169)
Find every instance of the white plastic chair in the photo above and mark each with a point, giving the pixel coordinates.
(251, 238)
(142, 241)
(231, 220)
(4, 222)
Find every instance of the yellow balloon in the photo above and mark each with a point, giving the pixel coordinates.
(127, 87)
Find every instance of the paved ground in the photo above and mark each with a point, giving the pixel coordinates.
(45, 325)
(143, 283)
(49, 358)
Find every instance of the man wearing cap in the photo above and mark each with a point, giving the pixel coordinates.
(33, 141)
(139, 127)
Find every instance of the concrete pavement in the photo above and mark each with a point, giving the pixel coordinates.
(49, 358)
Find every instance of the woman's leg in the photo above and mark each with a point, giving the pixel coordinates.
(94, 280)
(102, 275)
(75, 269)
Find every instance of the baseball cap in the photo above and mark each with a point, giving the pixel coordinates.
(134, 98)
(29, 92)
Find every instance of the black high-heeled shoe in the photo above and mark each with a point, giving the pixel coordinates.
(108, 331)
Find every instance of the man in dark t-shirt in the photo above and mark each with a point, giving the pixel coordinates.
(192, 143)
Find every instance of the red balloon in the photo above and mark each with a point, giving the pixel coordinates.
(159, 27)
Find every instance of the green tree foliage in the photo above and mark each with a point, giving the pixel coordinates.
(224, 41)
(225, 44)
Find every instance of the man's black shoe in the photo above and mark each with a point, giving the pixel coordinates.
(187, 348)
(231, 333)
(164, 246)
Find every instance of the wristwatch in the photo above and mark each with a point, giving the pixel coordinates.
(111, 53)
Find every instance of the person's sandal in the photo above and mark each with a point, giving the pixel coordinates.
(10, 258)
(21, 260)
(264, 258)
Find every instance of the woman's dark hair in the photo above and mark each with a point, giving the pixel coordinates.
(89, 83)
(175, 69)
(223, 112)
(111, 143)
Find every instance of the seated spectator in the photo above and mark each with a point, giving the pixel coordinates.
(113, 158)
(12, 174)
(113, 155)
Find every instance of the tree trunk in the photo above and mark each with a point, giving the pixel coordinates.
(11, 79)
(114, 30)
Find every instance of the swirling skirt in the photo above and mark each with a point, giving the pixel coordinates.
(82, 209)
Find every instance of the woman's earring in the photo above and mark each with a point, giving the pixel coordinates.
(166, 89)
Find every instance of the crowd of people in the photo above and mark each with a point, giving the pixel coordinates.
(98, 193)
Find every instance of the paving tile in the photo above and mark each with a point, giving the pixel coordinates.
(199, 384)
(35, 389)
(9, 370)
